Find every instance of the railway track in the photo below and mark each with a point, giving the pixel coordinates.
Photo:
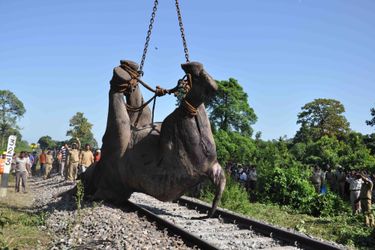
(227, 230)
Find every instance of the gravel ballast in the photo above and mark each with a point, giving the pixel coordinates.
(95, 225)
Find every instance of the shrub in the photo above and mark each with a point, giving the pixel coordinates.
(234, 198)
(327, 205)
(287, 186)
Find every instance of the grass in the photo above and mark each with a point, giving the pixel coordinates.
(19, 228)
(344, 229)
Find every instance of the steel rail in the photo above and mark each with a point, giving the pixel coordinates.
(295, 239)
(187, 237)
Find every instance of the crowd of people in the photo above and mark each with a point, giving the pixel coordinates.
(246, 175)
(356, 186)
(67, 161)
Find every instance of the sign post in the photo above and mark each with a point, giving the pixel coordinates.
(8, 162)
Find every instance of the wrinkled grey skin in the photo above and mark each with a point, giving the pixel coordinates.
(164, 160)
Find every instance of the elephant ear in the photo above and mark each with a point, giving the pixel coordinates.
(193, 68)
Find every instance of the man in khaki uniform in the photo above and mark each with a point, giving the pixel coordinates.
(340, 180)
(86, 158)
(73, 161)
(49, 162)
(365, 197)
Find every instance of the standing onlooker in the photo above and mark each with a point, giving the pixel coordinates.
(2, 162)
(63, 162)
(49, 162)
(330, 177)
(355, 182)
(86, 158)
(21, 171)
(34, 163)
(317, 179)
(73, 161)
(13, 165)
(42, 162)
(32, 159)
(252, 178)
(340, 180)
(365, 197)
(97, 155)
(243, 178)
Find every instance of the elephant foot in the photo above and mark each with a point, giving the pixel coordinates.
(203, 85)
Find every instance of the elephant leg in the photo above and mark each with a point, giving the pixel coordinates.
(135, 99)
(103, 179)
(117, 134)
(217, 176)
(140, 118)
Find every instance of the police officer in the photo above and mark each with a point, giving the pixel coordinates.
(49, 162)
(73, 162)
(365, 197)
(86, 158)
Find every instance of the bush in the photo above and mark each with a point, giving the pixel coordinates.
(327, 205)
(292, 187)
(287, 186)
(234, 198)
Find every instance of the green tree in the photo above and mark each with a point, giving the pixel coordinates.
(22, 145)
(229, 109)
(46, 142)
(355, 154)
(81, 129)
(323, 152)
(232, 146)
(322, 117)
(372, 121)
(11, 109)
(369, 141)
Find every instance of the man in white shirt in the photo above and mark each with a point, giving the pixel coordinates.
(355, 184)
(22, 166)
(243, 177)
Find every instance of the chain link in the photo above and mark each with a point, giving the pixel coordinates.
(148, 37)
(186, 51)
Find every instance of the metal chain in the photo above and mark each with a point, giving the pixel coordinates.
(182, 31)
(148, 37)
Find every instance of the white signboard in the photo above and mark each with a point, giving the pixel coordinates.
(8, 163)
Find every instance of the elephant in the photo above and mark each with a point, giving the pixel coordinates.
(163, 160)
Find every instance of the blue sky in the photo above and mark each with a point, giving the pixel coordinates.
(57, 56)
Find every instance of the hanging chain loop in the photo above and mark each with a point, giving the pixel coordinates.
(148, 37)
(150, 26)
(186, 51)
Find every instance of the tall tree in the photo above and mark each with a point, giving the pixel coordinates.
(11, 109)
(229, 109)
(81, 129)
(46, 142)
(372, 121)
(322, 117)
